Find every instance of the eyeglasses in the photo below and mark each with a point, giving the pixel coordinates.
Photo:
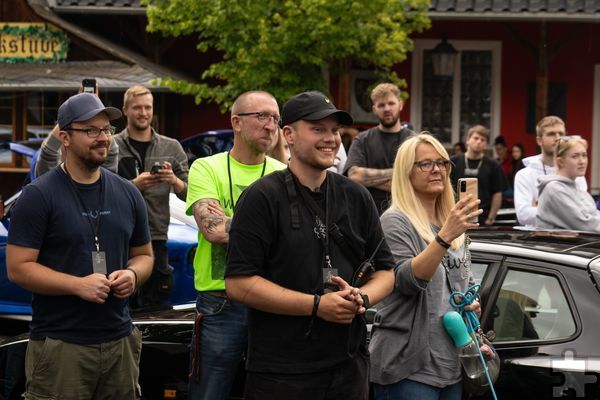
(427, 165)
(262, 116)
(95, 132)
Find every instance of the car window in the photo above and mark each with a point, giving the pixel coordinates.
(531, 306)
(478, 269)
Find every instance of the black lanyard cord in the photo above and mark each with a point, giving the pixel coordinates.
(318, 212)
(94, 222)
(230, 181)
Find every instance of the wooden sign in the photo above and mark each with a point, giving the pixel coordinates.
(32, 42)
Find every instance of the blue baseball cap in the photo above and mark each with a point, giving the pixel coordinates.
(81, 107)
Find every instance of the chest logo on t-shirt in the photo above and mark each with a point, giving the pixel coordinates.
(95, 213)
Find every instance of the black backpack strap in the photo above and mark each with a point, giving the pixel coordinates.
(292, 193)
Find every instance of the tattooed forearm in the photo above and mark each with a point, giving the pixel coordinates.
(211, 220)
(371, 176)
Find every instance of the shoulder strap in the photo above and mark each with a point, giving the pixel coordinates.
(332, 229)
(292, 193)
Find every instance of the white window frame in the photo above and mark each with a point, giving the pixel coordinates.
(416, 87)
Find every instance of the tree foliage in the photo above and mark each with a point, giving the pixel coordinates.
(284, 46)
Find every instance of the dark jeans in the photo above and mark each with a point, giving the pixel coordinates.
(158, 287)
(347, 381)
(412, 390)
(223, 341)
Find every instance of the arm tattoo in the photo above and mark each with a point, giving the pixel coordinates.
(207, 219)
(372, 176)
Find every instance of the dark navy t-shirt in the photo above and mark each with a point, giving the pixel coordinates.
(50, 217)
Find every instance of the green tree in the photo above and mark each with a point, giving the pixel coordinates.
(285, 46)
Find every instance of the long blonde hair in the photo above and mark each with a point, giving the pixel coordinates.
(404, 197)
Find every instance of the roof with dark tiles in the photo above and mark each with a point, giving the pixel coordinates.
(517, 9)
(449, 9)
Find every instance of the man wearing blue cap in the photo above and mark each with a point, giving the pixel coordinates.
(296, 243)
(79, 241)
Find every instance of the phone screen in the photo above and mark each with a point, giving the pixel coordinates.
(465, 187)
(89, 85)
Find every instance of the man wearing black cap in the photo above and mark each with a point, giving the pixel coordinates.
(79, 241)
(296, 242)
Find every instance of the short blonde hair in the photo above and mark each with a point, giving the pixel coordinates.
(480, 130)
(548, 121)
(134, 91)
(566, 143)
(384, 89)
(404, 197)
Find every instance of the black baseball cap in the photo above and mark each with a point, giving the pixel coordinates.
(81, 107)
(311, 106)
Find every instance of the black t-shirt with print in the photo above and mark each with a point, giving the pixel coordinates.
(263, 242)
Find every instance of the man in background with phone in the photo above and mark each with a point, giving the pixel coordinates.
(491, 181)
(155, 164)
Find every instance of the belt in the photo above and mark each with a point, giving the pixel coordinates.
(218, 293)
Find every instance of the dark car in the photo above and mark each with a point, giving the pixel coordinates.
(540, 296)
(207, 143)
(164, 361)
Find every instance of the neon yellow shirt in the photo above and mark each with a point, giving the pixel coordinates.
(209, 179)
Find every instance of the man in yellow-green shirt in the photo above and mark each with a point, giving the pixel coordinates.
(214, 185)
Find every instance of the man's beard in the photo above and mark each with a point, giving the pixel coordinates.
(92, 163)
(390, 124)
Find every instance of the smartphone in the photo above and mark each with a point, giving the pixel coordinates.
(89, 85)
(466, 186)
(156, 167)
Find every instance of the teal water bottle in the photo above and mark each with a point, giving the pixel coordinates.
(468, 353)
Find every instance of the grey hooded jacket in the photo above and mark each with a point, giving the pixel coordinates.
(563, 206)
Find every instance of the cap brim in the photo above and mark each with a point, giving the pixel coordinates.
(113, 113)
(342, 116)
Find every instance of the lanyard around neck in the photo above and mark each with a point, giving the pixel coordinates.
(94, 222)
(230, 180)
(322, 214)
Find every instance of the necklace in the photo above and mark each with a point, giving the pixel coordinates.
(230, 181)
(472, 171)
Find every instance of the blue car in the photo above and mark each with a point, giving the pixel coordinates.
(182, 243)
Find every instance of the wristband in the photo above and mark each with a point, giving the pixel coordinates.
(316, 302)
(441, 242)
(313, 316)
(135, 277)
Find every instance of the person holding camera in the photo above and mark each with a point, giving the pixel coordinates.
(412, 356)
(296, 242)
(156, 165)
